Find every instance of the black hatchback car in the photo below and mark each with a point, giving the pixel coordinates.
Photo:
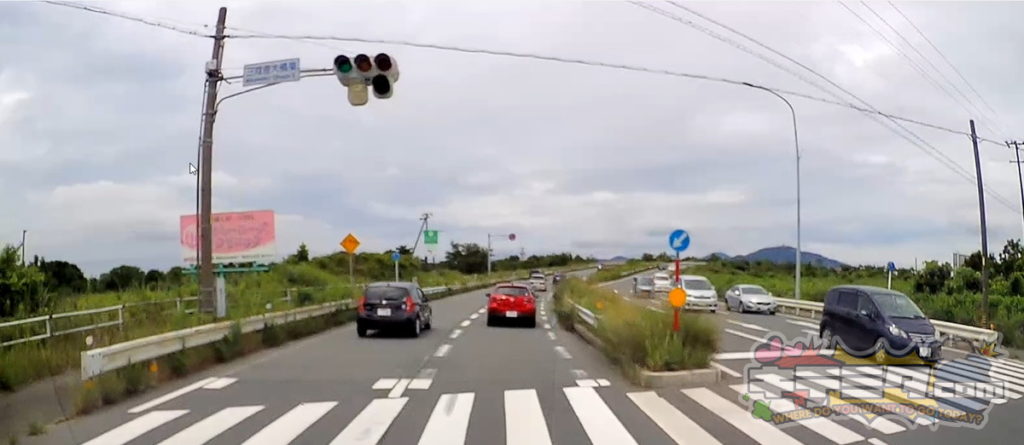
(868, 320)
(399, 306)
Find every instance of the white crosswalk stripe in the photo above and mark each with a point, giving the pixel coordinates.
(599, 422)
(672, 421)
(136, 427)
(755, 428)
(449, 420)
(524, 420)
(371, 423)
(826, 428)
(208, 428)
(287, 427)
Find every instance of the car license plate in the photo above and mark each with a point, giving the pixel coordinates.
(384, 312)
(925, 351)
(511, 314)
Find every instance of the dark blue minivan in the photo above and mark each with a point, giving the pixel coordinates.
(868, 320)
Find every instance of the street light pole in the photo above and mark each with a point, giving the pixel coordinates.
(23, 232)
(796, 144)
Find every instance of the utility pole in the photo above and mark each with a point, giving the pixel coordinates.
(423, 226)
(207, 301)
(984, 229)
(1016, 150)
(23, 232)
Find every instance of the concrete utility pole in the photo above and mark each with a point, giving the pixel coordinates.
(207, 285)
(984, 229)
(1016, 150)
(23, 232)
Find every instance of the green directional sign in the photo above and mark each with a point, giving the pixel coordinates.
(429, 237)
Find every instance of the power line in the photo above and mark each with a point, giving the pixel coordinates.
(920, 143)
(922, 70)
(122, 15)
(946, 59)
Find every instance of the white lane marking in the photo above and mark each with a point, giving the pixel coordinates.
(455, 334)
(464, 323)
(551, 335)
(827, 428)
(734, 355)
(880, 424)
(743, 334)
(420, 383)
(599, 422)
(989, 375)
(474, 316)
(748, 325)
(208, 428)
(562, 352)
(442, 350)
(587, 383)
(171, 395)
(997, 366)
(482, 310)
(876, 441)
(1009, 364)
(136, 427)
(918, 381)
(603, 382)
(579, 373)
(385, 383)
(449, 420)
(755, 428)
(726, 370)
(524, 420)
(850, 375)
(673, 422)
(399, 388)
(544, 317)
(372, 422)
(287, 427)
(804, 323)
(547, 325)
(220, 383)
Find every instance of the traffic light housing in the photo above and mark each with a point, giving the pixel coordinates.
(362, 73)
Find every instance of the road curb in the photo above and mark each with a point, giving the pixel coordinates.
(688, 378)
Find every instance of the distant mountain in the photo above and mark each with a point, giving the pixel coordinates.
(719, 255)
(787, 255)
(616, 260)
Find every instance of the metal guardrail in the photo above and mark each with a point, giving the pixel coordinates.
(980, 339)
(48, 325)
(100, 360)
(586, 315)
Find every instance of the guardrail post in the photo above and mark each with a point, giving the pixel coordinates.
(49, 329)
(177, 304)
(120, 318)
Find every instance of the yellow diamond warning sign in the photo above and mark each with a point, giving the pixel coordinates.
(350, 243)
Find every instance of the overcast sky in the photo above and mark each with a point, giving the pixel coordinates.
(99, 118)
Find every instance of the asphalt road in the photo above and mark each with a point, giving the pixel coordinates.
(464, 382)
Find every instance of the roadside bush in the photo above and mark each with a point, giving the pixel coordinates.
(177, 364)
(111, 388)
(88, 398)
(136, 378)
(35, 428)
(271, 336)
(230, 347)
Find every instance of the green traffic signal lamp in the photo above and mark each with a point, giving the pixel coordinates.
(343, 64)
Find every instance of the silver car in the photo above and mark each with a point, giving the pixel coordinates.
(643, 285)
(749, 297)
(539, 282)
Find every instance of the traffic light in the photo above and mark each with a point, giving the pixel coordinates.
(361, 72)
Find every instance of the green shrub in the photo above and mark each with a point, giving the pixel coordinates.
(88, 398)
(178, 364)
(230, 347)
(36, 428)
(136, 378)
(271, 336)
(12, 439)
(111, 387)
(305, 297)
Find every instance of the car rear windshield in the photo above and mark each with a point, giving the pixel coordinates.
(378, 294)
(512, 291)
(897, 305)
(660, 278)
(697, 285)
(537, 276)
(646, 281)
(754, 290)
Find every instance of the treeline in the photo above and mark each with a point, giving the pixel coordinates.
(1006, 273)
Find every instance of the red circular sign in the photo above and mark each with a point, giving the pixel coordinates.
(511, 237)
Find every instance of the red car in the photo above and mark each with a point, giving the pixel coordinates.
(512, 302)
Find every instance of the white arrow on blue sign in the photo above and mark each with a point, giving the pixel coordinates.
(395, 256)
(891, 266)
(679, 240)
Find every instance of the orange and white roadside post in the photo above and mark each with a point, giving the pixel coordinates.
(676, 297)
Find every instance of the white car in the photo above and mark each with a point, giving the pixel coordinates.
(539, 282)
(749, 297)
(643, 286)
(662, 282)
(700, 293)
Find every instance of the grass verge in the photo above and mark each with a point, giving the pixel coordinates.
(636, 338)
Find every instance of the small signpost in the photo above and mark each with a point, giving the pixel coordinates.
(395, 256)
(350, 244)
(677, 297)
(270, 72)
(891, 267)
(678, 241)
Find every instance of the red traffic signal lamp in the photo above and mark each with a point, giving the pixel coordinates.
(380, 73)
(511, 237)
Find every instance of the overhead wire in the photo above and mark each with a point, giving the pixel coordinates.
(948, 62)
(913, 138)
(923, 71)
(145, 21)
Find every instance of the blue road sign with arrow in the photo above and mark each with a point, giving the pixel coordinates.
(395, 256)
(679, 240)
(891, 267)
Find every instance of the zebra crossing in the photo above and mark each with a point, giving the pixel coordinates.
(527, 414)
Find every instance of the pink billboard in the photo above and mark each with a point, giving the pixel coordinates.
(238, 237)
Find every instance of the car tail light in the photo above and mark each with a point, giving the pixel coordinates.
(362, 303)
(409, 305)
